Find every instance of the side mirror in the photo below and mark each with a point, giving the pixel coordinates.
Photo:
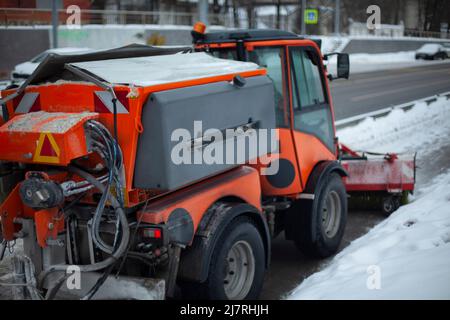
(343, 65)
(342, 70)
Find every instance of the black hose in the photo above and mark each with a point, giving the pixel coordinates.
(124, 229)
(111, 157)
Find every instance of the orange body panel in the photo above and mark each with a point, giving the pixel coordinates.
(42, 138)
(242, 182)
(311, 151)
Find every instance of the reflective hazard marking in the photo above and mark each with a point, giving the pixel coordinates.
(103, 102)
(47, 149)
(29, 103)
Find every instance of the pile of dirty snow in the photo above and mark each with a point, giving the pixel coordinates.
(405, 257)
(420, 129)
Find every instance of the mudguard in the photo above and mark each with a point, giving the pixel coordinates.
(195, 260)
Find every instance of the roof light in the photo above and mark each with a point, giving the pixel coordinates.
(199, 27)
(198, 31)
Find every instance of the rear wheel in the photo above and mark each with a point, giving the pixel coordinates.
(322, 228)
(237, 265)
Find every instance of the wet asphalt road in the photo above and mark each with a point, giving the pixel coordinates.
(370, 91)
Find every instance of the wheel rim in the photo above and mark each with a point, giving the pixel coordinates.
(331, 214)
(240, 271)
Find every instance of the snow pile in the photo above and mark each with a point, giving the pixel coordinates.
(154, 70)
(408, 255)
(383, 58)
(405, 257)
(420, 129)
(410, 251)
(332, 44)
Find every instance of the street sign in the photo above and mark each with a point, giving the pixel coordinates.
(311, 16)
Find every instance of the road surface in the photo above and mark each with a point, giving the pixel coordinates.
(369, 91)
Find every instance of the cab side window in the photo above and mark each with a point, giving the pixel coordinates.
(272, 58)
(312, 112)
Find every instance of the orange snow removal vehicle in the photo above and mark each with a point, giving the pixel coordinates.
(146, 169)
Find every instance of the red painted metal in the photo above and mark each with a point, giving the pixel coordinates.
(389, 172)
(50, 138)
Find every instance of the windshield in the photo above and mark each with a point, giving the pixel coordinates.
(272, 59)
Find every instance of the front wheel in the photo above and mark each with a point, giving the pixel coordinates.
(322, 228)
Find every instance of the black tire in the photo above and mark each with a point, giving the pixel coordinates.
(241, 230)
(390, 204)
(438, 56)
(312, 238)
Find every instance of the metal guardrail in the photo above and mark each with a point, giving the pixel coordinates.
(352, 121)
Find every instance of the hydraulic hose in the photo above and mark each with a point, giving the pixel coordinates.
(122, 247)
(113, 157)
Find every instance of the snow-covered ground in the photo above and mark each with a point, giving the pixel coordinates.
(407, 256)
(332, 43)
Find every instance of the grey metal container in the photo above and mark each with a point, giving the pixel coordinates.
(219, 105)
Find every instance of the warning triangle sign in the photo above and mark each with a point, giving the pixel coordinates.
(47, 149)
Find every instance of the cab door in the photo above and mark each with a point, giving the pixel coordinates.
(286, 181)
(312, 118)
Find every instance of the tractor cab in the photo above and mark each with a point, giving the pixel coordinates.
(304, 111)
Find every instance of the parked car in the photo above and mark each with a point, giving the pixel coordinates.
(432, 51)
(23, 70)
